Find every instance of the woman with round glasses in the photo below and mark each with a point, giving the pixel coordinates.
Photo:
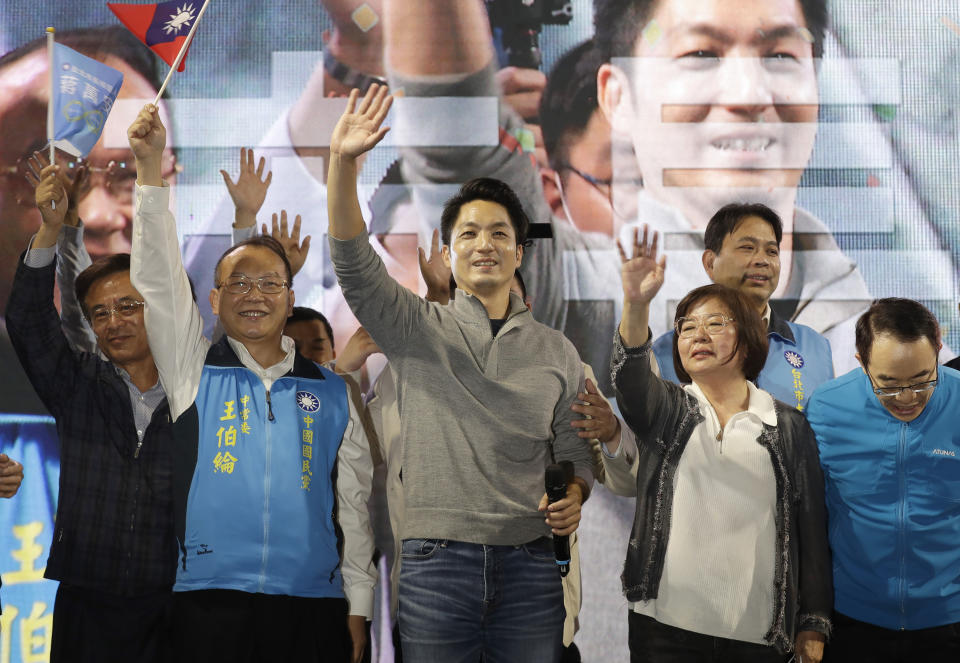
(728, 553)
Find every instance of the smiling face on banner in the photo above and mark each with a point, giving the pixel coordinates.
(719, 98)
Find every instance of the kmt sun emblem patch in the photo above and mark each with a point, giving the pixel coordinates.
(794, 359)
(307, 401)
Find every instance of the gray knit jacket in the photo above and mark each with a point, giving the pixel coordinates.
(479, 415)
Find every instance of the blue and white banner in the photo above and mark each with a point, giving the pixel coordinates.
(83, 94)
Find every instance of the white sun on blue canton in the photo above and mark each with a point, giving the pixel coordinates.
(185, 14)
(307, 401)
(793, 358)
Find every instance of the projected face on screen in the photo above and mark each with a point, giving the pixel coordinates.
(720, 96)
(107, 204)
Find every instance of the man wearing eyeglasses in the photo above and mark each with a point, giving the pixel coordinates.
(105, 202)
(272, 468)
(890, 450)
(113, 549)
(743, 252)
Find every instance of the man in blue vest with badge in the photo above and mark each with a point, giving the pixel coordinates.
(742, 251)
(272, 469)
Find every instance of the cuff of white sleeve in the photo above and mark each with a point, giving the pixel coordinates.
(153, 199)
(360, 601)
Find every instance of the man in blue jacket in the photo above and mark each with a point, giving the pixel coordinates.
(743, 252)
(272, 468)
(890, 450)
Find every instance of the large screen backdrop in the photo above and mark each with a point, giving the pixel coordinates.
(861, 159)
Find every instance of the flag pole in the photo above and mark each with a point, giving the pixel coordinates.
(50, 41)
(183, 52)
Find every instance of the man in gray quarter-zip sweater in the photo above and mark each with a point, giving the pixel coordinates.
(484, 393)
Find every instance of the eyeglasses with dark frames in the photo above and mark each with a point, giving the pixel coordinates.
(893, 392)
(241, 285)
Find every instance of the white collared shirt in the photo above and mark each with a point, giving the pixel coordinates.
(718, 572)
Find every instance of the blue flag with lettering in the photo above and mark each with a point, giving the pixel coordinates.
(83, 94)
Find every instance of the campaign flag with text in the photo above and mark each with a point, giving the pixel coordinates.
(83, 94)
(162, 26)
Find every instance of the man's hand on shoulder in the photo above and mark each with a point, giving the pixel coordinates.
(355, 353)
(599, 421)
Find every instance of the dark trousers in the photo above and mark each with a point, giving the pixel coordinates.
(854, 641)
(214, 625)
(105, 628)
(653, 642)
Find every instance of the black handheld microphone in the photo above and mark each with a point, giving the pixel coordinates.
(555, 482)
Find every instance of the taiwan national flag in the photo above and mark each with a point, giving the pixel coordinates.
(162, 26)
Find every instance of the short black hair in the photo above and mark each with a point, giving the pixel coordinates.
(728, 217)
(750, 332)
(98, 43)
(619, 23)
(100, 268)
(267, 242)
(520, 282)
(491, 190)
(569, 100)
(904, 319)
(306, 314)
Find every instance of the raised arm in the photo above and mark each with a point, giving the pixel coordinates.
(391, 313)
(358, 130)
(646, 402)
(31, 317)
(71, 251)
(642, 277)
(174, 325)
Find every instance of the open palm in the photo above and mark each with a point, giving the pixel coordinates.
(250, 189)
(643, 274)
(358, 129)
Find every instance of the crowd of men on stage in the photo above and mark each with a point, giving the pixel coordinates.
(214, 492)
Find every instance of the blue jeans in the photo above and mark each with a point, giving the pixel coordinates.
(460, 601)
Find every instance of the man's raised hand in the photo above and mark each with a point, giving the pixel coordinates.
(148, 138)
(76, 188)
(250, 189)
(50, 191)
(359, 128)
(435, 272)
(290, 241)
(643, 274)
